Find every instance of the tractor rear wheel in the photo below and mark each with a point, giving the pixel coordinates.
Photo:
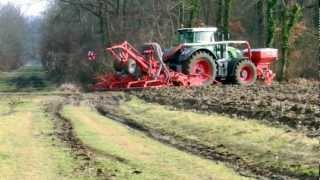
(201, 64)
(245, 73)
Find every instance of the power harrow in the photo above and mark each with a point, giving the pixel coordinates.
(199, 60)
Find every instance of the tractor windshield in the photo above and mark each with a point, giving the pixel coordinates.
(196, 37)
(186, 37)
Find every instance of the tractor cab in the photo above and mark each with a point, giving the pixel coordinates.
(197, 35)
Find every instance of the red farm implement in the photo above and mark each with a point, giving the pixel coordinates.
(199, 60)
(143, 70)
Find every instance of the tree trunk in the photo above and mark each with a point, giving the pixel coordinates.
(102, 31)
(219, 14)
(317, 15)
(260, 22)
(271, 25)
(118, 8)
(194, 12)
(191, 16)
(104, 27)
(206, 11)
(290, 17)
(226, 19)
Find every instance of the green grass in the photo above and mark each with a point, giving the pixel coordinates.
(259, 144)
(26, 79)
(140, 153)
(26, 147)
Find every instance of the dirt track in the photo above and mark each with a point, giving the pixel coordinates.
(295, 104)
(64, 132)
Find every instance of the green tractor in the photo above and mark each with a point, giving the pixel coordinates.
(204, 51)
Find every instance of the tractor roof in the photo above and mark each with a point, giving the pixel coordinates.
(205, 29)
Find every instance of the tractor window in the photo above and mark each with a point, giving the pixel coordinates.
(196, 37)
(204, 37)
(186, 37)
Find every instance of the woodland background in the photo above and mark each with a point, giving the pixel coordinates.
(61, 38)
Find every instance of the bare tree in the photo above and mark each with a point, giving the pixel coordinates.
(72, 27)
(12, 37)
(291, 14)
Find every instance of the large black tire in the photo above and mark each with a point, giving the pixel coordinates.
(245, 73)
(206, 61)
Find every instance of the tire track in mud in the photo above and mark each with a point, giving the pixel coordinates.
(80, 149)
(107, 104)
(240, 165)
(63, 130)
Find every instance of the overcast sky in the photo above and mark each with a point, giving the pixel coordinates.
(29, 7)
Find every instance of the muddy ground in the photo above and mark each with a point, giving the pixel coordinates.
(107, 104)
(294, 104)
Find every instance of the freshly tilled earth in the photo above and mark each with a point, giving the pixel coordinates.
(294, 104)
(107, 104)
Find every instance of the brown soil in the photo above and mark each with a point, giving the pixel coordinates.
(295, 104)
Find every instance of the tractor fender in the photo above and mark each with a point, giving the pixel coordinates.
(188, 53)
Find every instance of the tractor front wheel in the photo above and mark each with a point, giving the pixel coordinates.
(201, 64)
(246, 73)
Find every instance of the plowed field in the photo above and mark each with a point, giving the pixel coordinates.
(294, 104)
